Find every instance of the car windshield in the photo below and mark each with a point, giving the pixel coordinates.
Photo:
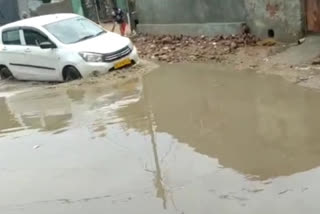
(74, 30)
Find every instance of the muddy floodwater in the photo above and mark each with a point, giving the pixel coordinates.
(186, 139)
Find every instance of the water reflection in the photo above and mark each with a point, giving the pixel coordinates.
(8, 121)
(42, 112)
(53, 110)
(76, 95)
(183, 134)
(158, 180)
(257, 125)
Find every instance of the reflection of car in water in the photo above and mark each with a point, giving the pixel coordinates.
(8, 121)
(43, 113)
(54, 111)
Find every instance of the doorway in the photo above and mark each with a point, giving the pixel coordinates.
(313, 15)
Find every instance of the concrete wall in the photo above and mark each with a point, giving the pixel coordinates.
(284, 17)
(8, 11)
(36, 7)
(90, 10)
(207, 29)
(104, 10)
(190, 11)
(192, 17)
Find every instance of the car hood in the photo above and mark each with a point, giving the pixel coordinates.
(106, 43)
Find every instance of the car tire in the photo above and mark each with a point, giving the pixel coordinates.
(5, 73)
(71, 73)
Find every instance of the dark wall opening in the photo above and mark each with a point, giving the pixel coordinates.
(271, 33)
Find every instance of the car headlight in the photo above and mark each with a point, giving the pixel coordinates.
(91, 57)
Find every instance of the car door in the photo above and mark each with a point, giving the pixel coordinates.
(12, 53)
(40, 64)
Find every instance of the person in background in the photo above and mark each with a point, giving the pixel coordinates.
(119, 18)
(135, 21)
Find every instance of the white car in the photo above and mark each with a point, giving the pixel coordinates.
(61, 47)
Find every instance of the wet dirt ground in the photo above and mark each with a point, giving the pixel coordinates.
(183, 139)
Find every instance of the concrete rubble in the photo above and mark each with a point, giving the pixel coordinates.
(174, 49)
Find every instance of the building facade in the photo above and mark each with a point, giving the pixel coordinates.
(98, 10)
(9, 11)
(14, 9)
(42, 7)
(282, 19)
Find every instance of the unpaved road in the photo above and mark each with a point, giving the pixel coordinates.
(186, 138)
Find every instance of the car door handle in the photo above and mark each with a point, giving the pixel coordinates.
(27, 50)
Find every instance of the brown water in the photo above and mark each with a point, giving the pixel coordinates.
(183, 139)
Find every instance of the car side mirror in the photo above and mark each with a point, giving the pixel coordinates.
(47, 45)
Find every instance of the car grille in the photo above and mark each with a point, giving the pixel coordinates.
(110, 57)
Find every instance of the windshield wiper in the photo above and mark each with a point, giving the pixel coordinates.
(90, 36)
(101, 32)
(85, 38)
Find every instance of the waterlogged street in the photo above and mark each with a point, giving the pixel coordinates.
(185, 138)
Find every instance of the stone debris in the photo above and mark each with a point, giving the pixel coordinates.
(302, 40)
(316, 61)
(268, 42)
(174, 49)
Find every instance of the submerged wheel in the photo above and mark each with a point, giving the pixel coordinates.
(5, 73)
(71, 73)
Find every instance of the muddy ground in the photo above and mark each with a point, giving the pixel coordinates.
(297, 63)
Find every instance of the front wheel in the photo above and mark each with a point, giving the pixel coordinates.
(70, 74)
(5, 73)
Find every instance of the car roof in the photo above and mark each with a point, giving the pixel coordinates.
(39, 21)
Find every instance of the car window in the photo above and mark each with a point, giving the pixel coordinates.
(74, 30)
(34, 38)
(11, 37)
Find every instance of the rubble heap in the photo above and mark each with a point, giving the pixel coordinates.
(173, 49)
